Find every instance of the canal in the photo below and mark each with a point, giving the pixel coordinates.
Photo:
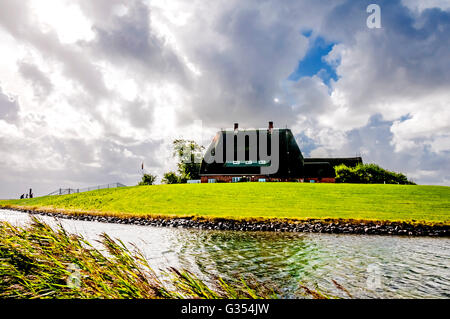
(367, 266)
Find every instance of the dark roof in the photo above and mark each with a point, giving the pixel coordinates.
(291, 158)
(318, 169)
(291, 165)
(324, 167)
(335, 161)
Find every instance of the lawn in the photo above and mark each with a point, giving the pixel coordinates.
(300, 201)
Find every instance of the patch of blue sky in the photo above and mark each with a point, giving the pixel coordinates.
(305, 144)
(405, 117)
(314, 61)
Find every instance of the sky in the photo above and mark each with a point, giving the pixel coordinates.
(91, 89)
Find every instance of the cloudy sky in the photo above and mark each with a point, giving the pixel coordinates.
(91, 89)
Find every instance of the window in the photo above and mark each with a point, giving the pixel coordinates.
(235, 179)
(235, 147)
(247, 147)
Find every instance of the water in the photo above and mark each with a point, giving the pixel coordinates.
(367, 266)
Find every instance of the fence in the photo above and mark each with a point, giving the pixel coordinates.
(66, 191)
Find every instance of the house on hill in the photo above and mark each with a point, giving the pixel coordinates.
(264, 155)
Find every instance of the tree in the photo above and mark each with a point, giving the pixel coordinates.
(170, 178)
(147, 179)
(369, 174)
(189, 155)
(345, 174)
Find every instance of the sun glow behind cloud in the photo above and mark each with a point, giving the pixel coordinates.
(63, 17)
(103, 85)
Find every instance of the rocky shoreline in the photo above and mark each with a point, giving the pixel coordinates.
(311, 226)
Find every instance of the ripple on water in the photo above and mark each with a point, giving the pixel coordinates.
(406, 267)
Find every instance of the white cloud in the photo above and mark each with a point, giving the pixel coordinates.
(101, 86)
(421, 5)
(65, 17)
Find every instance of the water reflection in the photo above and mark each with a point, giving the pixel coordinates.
(368, 266)
(270, 257)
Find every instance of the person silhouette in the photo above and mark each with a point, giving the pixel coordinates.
(31, 193)
(22, 196)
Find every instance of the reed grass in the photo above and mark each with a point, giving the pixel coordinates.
(37, 261)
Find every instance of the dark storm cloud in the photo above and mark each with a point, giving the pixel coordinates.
(15, 17)
(373, 141)
(129, 40)
(397, 71)
(239, 82)
(139, 113)
(41, 83)
(47, 161)
(229, 62)
(408, 56)
(74, 163)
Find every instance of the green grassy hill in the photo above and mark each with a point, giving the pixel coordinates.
(416, 204)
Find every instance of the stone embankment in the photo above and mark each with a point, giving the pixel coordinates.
(311, 226)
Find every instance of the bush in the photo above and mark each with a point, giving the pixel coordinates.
(369, 174)
(345, 174)
(147, 179)
(171, 178)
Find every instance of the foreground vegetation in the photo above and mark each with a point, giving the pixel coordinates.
(299, 201)
(40, 262)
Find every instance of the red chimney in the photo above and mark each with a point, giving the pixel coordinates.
(270, 126)
(236, 125)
